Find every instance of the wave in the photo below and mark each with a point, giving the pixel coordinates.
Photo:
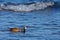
(26, 7)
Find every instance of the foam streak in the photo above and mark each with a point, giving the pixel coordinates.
(26, 7)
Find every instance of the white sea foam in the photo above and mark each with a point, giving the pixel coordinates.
(25, 7)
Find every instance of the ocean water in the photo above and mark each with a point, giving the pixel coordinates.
(42, 24)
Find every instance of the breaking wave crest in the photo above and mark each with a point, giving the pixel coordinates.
(26, 7)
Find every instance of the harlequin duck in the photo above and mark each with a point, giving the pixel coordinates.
(16, 29)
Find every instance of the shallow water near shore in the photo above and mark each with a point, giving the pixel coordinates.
(42, 24)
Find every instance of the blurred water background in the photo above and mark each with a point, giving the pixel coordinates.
(42, 24)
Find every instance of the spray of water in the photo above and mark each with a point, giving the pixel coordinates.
(26, 7)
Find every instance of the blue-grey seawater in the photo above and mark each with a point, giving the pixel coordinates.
(42, 24)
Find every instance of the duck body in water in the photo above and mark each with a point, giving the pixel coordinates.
(16, 30)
